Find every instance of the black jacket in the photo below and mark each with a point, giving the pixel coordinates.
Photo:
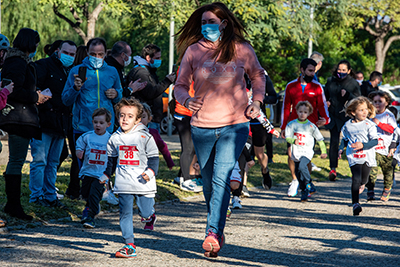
(23, 119)
(366, 88)
(55, 117)
(111, 61)
(333, 94)
(152, 93)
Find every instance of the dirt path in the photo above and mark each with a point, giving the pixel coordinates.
(270, 230)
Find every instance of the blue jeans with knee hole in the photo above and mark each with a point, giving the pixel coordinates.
(217, 150)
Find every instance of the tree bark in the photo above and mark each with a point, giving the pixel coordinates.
(92, 19)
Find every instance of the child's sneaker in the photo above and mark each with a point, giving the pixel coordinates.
(370, 195)
(245, 191)
(236, 203)
(311, 189)
(304, 195)
(150, 222)
(356, 209)
(191, 186)
(267, 180)
(126, 251)
(332, 175)
(228, 213)
(89, 223)
(386, 194)
(292, 191)
(211, 244)
(85, 214)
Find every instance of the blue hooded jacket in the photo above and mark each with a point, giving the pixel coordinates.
(92, 94)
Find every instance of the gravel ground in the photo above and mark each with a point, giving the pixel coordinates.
(271, 230)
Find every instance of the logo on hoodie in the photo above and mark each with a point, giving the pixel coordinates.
(218, 73)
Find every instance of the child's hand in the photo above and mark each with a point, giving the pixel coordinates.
(296, 142)
(323, 156)
(340, 154)
(250, 164)
(79, 154)
(375, 120)
(391, 152)
(357, 145)
(145, 177)
(276, 133)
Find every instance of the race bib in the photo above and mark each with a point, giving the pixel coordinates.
(97, 157)
(359, 154)
(381, 144)
(129, 155)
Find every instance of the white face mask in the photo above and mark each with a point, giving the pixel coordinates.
(126, 63)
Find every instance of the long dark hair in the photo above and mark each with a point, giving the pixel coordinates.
(233, 32)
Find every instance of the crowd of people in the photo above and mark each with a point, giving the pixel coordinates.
(112, 122)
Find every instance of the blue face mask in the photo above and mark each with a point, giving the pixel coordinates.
(66, 60)
(156, 63)
(379, 84)
(211, 32)
(341, 75)
(31, 55)
(96, 62)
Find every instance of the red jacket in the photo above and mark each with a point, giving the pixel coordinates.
(313, 93)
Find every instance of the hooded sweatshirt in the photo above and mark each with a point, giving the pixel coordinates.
(133, 151)
(92, 94)
(221, 87)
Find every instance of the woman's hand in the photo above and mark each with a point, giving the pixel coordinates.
(9, 87)
(136, 85)
(194, 103)
(253, 110)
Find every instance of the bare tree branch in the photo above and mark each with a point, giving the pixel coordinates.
(95, 13)
(75, 26)
(76, 17)
(389, 42)
(371, 31)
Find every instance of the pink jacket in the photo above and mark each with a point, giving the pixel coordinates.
(221, 86)
(3, 97)
(162, 147)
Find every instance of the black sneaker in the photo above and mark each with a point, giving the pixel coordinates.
(42, 202)
(304, 195)
(267, 180)
(56, 204)
(356, 209)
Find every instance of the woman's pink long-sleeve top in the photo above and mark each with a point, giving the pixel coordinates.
(221, 87)
(3, 97)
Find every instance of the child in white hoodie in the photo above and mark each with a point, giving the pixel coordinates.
(133, 154)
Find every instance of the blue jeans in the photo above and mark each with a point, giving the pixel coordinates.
(217, 150)
(43, 173)
(145, 207)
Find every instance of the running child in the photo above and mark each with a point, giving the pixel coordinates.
(92, 148)
(161, 145)
(386, 124)
(360, 137)
(133, 155)
(300, 133)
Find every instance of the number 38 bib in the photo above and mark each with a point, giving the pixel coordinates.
(128, 155)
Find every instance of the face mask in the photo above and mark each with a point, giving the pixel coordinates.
(379, 84)
(96, 62)
(126, 63)
(66, 60)
(31, 55)
(211, 32)
(359, 81)
(341, 75)
(307, 78)
(156, 63)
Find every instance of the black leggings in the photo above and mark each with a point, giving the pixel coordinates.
(187, 147)
(334, 147)
(360, 174)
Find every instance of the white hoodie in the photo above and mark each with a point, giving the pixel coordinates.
(133, 150)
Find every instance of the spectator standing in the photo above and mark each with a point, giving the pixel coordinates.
(102, 88)
(359, 77)
(145, 69)
(375, 80)
(318, 58)
(339, 89)
(54, 118)
(20, 117)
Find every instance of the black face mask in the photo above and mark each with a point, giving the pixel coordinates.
(307, 78)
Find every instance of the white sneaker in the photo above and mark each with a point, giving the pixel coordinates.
(292, 191)
(236, 203)
(315, 168)
(190, 186)
(178, 180)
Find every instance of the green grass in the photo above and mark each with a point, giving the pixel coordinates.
(166, 190)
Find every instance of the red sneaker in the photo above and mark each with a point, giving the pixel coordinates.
(211, 243)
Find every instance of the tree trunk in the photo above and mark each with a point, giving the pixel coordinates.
(380, 54)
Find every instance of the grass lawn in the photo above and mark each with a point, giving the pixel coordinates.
(166, 190)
